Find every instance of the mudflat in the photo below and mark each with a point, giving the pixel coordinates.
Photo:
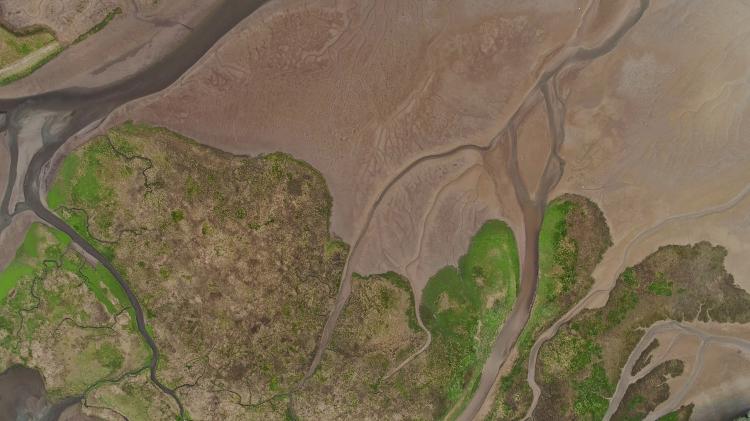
(544, 202)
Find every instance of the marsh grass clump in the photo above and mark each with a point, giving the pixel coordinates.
(177, 216)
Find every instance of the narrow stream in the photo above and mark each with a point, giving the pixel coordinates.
(532, 207)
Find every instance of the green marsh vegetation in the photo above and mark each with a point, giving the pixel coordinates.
(16, 46)
(199, 233)
(99, 26)
(462, 306)
(643, 396)
(64, 317)
(573, 237)
(579, 367)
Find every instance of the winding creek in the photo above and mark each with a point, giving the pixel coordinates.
(77, 109)
(533, 207)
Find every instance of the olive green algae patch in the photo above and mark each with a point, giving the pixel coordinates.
(57, 316)
(573, 237)
(463, 307)
(230, 256)
(579, 367)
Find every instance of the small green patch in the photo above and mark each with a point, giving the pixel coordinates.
(108, 356)
(274, 384)
(11, 275)
(60, 191)
(591, 394)
(192, 188)
(335, 247)
(97, 287)
(177, 215)
(672, 416)
(99, 26)
(628, 277)
(14, 47)
(661, 286)
(31, 243)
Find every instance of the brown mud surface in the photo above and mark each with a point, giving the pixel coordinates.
(366, 112)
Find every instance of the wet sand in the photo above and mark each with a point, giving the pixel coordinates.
(23, 397)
